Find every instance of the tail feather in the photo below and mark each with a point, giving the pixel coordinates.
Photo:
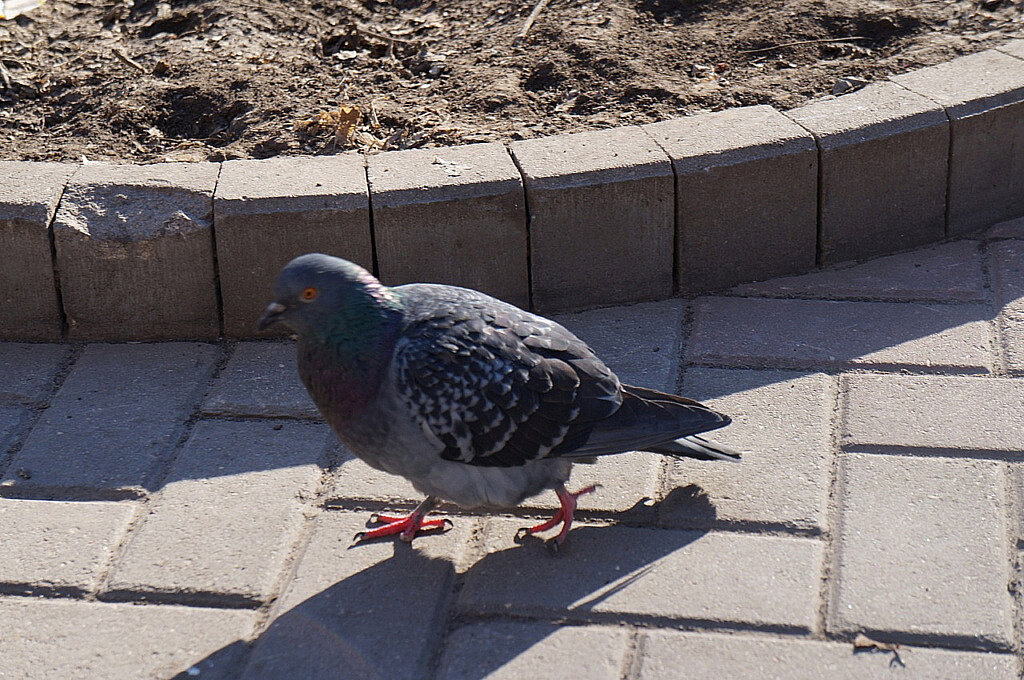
(649, 420)
(699, 448)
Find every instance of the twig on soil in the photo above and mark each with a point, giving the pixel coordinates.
(802, 42)
(537, 9)
(123, 56)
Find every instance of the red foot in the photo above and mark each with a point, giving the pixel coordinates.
(406, 527)
(563, 516)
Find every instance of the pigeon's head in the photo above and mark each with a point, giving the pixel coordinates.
(316, 291)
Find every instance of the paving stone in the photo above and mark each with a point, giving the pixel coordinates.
(120, 411)
(781, 421)
(357, 481)
(1008, 281)
(512, 651)
(940, 412)
(1008, 229)
(464, 201)
(234, 497)
(93, 640)
(709, 656)
(826, 334)
(272, 210)
(760, 580)
(950, 271)
(1014, 48)
(983, 95)
(135, 252)
(746, 195)
(884, 151)
(375, 611)
(601, 217)
(640, 343)
(260, 379)
(27, 370)
(58, 545)
(928, 534)
(29, 193)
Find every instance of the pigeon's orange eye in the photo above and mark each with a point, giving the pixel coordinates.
(308, 294)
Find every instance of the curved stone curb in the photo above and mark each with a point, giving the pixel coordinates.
(173, 250)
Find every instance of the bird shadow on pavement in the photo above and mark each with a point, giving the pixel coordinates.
(415, 614)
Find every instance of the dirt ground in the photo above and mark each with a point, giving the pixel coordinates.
(216, 79)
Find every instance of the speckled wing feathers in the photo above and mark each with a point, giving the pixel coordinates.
(495, 385)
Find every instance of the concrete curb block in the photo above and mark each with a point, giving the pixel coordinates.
(174, 250)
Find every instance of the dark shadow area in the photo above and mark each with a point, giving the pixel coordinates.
(392, 619)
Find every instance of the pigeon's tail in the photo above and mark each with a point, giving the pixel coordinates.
(649, 420)
(697, 447)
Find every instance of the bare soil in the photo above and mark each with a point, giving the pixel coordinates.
(216, 79)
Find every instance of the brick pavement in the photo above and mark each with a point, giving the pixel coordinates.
(178, 510)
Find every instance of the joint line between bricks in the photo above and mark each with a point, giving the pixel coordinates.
(311, 510)
(157, 476)
(38, 408)
(529, 224)
(374, 260)
(217, 294)
(52, 240)
(830, 535)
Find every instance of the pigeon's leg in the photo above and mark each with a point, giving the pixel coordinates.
(406, 526)
(567, 499)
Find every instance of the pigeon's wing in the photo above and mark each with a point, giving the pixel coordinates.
(493, 385)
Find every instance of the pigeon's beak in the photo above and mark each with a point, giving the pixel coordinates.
(271, 315)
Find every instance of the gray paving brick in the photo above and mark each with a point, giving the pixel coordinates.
(1008, 282)
(59, 545)
(374, 611)
(746, 195)
(272, 210)
(826, 334)
(27, 370)
(781, 422)
(99, 641)
(464, 201)
(884, 151)
(626, 481)
(760, 580)
(135, 252)
(1014, 48)
(120, 411)
(260, 379)
(983, 95)
(29, 193)
(355, 480)
(601, 217)
(950, 271)
(639, 342)
(264, 471)
(928, 534)
(940, 412)
(512, 651)
(709, 656)
(1008, 229)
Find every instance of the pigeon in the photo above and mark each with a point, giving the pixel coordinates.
(473, 400)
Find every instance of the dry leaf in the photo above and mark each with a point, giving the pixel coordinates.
(342, 121)
(863, 643)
